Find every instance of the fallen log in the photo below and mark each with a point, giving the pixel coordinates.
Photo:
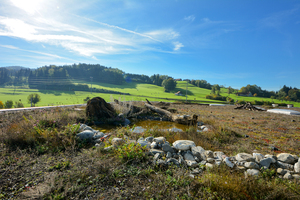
(248, 106)
(180, 119)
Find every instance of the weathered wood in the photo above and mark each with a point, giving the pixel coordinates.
(180, 119)
(148, 102)
(248, 106)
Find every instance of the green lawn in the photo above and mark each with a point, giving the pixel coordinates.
(137, 91)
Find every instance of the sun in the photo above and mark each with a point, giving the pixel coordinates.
(30, 6)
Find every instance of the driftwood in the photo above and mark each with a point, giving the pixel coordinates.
(180, 119)
(132, 111)
(97, 108)
(248, 106)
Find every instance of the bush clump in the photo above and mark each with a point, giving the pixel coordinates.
(216, 97)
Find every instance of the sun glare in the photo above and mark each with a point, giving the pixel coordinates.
(30, 6)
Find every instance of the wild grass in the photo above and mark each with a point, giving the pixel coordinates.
(40, 158)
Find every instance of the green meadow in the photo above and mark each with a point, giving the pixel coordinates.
(137, 91)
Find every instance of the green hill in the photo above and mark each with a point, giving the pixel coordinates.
(137, 91)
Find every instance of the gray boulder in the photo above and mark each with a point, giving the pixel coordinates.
(144, 144)
(284, 165)
(172, 160)
(155, 151)
(209, 154)
(149, 139)
(258, 156)
(98, 135)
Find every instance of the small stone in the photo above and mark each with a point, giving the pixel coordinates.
(288, 176)
(183, 144)
(159, 140)
(117, 142)
(144, 144)
(251, 165)
(153, 145)
(287, 158)
(274, 148)
(191, 163)
(196, 171)
(172, 160)
(167, 148)
(210, 160)
(274, 158)
(252, 172)
(219, 155)
(157, 156)
(281, 171)
(169, 155)
(203, 162)
(218, 162)
(244, 157)
(209, 165)
(155, 151)
(181, 160)
(108, 148)
(191, 176)
(149, 139)
(266, 162)
(209, 154)
(160, 162)
(188, 156)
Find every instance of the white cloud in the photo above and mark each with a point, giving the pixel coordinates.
(164, 34)
(190, 18)
(177, 46)
(77, 34)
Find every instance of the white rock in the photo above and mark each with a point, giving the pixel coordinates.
(258, 156)
(244, 157)
(183, 144)
(209, 165)
(288, 176)
(287, 158)
(228, 162)
(219, 154)
(252, 172)
(297, 167)
(281, 171)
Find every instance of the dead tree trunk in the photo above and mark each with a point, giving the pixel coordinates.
(180, 119)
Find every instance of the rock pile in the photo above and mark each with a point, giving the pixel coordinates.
(185, 153)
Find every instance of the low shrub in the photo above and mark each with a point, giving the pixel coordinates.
(1, 105)
(131, 151)
(18, 104)
(9, 104)
(216, 97)
(241, 102)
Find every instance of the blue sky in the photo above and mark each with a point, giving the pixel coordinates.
(231, 43)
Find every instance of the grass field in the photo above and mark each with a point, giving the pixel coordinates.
(137, 91)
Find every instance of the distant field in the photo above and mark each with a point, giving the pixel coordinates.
(137, 91)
